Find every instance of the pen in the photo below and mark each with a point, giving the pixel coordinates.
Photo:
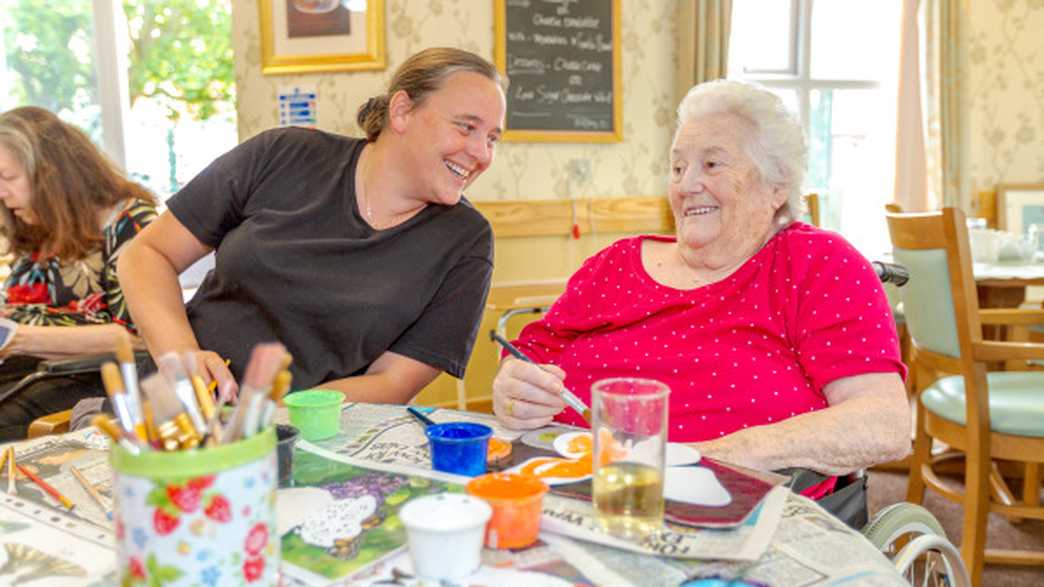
(46, 487)
(567, 396)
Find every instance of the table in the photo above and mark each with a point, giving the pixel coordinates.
(808, 546)
(1003, 285)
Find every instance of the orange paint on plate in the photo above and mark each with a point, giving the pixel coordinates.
(517, 501)
(498, 452)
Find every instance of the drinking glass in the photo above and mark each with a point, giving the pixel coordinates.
(629, 425)
(1033, 235)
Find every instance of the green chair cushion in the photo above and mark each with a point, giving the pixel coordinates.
(1016, 401)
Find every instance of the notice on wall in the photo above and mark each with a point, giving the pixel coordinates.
(297, 106)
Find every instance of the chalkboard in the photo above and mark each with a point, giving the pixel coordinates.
(563, 60)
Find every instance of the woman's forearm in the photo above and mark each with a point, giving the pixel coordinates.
(57, 342)
(370, 389)
(846, 437)
(150, 286)
(391, 379)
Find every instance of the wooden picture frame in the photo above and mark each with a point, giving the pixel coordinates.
(1019, 205)
(519, 84)
(306, 36)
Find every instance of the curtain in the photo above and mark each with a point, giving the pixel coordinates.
(941, 81)
(911, 181)
(703, 42)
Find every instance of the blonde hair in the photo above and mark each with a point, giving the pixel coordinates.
(420, 75)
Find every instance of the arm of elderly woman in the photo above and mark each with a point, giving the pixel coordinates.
(867, 422)
(57, 342)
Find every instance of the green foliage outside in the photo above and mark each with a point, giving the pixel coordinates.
(179, 52)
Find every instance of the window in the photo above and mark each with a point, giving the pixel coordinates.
(151, 81)
(834, 63)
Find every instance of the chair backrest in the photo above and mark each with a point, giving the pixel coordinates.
(940, 302)
(811, 205)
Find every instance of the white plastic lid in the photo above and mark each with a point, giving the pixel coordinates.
(446, 512)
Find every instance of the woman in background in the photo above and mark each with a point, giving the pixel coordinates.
(67, 214)
(360, 255)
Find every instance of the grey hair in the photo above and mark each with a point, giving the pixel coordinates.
(19, 144)
(777, 145)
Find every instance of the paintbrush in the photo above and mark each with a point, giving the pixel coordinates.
(567, 396)
(173, 426)
(130, 443)
(265, 361)
(11, 487)
(129, 371)
(170, 366)
(280, 386)
(113, 384)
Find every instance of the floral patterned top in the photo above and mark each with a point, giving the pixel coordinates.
(52, 292)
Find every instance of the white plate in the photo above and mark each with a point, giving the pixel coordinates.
(562, 444)
(681, 454)
(697, 485)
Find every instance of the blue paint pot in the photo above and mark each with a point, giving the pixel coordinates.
(459, 447)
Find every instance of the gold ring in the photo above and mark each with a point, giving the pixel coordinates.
(510, 409)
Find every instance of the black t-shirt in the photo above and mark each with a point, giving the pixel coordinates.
(297, 263)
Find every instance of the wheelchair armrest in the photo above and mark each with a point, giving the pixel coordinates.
(83, 364)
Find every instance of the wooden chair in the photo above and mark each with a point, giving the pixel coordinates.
(996, 415)
(811, 202)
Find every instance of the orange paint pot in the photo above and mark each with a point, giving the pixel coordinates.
(517, 501)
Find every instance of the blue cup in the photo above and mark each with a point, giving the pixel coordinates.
(459, 447)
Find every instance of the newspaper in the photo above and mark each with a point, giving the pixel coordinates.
(51, 459)
(804, 546)
(576, 519)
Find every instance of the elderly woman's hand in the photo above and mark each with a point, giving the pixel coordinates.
(527, 396)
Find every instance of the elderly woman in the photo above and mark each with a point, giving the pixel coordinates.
(774, 336)
(67, 215)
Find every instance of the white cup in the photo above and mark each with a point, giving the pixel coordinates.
(985, 245)
(445, 534)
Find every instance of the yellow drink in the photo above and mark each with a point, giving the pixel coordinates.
(628, 499)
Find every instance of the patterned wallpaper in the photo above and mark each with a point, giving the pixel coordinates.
(1003, 92)
(635, 167)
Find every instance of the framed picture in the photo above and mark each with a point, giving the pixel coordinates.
(305, 36)
(1019, 206)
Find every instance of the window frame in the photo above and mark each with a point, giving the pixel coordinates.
(800, 79)
(110, 63)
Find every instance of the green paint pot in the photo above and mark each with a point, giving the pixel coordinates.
(315, 412)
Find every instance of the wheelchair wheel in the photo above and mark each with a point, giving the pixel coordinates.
(926, 557)
(900, 520)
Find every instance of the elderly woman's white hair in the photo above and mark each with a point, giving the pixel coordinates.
(777, 146)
